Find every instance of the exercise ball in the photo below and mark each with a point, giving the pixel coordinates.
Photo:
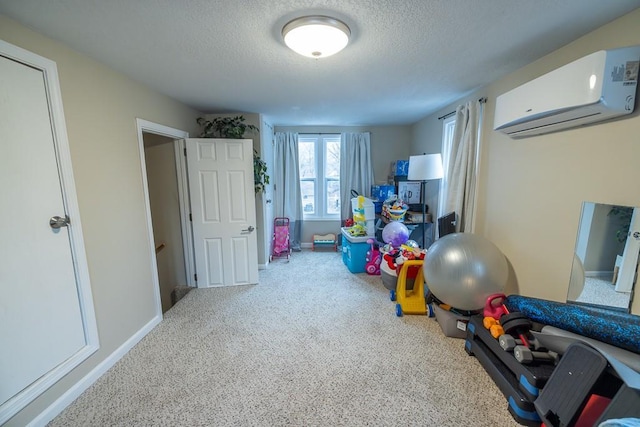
(395, 233)
(463, 269)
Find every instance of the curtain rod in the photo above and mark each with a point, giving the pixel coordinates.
(446, 116)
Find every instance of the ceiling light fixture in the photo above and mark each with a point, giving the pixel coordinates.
(316, 36)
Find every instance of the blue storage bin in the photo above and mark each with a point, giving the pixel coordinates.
(354, 251)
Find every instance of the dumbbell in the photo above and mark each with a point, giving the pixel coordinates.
(508, 342)
(493, 326)
(517, 324)
(525, 355)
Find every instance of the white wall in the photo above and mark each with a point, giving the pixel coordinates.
(101, 107)
(531, 190)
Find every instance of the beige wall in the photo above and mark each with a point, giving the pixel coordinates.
(165, 214)
(531, 190)
(388, 143)
(101, 107)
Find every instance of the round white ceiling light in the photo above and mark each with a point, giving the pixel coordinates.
(316, 36)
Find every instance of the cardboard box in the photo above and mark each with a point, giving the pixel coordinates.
(414, 217)
(382, 192)
(402, 168)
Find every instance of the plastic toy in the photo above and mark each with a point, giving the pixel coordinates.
(281, 245)
(325, 240)
(395, 233)
(410, 301)
(374, 257)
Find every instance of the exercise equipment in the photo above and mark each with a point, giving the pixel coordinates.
(608, 326)
(463, 269)
(494, 306)
(559, 340)
(517, 324)
(584, 372)
(493, 326)
(520, 383)
(526, 355)
(508, 342)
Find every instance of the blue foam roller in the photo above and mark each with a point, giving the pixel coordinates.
(612, 327)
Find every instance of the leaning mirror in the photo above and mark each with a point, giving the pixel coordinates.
(605, 262)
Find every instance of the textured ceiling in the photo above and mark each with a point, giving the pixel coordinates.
(406, 58)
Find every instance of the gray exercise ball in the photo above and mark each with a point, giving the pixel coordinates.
(463, 269)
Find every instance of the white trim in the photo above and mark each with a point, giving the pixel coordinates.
(78, 388)
(76, 238)
(158, 129)
(185, 210)
(599, 273)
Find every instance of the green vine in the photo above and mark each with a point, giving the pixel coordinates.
(260, 177)
(624, 214)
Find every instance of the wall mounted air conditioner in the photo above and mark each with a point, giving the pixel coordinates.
(596, 87)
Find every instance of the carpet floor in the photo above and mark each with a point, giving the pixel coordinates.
(310, 345)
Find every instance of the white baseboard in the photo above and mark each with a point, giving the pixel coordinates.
(598, 273)
(78, 388)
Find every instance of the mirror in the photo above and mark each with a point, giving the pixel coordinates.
(605, 262)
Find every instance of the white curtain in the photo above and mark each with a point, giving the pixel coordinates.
(356, 170)
(286, 180)
(463, 163)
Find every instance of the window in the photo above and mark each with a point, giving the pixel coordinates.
(448, 126)
(319, 163)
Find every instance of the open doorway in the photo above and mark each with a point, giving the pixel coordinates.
(162, 185)
(164, 219)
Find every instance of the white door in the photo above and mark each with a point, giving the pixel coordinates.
(626, 276)
(45, 330)
(223, 210)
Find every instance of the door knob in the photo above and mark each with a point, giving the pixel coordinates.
(57, 222)
(636, 235)
(248, 230)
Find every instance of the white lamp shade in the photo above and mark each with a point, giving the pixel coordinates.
(425, 167)
(316, 36)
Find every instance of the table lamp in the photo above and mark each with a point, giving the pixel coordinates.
(424, 168)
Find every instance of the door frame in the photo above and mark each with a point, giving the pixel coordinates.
(158, 129)
(76, 239)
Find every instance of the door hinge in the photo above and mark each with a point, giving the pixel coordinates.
(185, 151)
(190, 217)
(195, 277)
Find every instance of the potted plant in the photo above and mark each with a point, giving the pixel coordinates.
(624, 214)
(225, 127)
(235, 128)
